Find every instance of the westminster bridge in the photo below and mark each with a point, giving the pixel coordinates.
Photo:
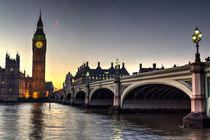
(179, 88)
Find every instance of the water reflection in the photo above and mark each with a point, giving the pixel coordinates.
(37, 121)
(9, 119)
(117, 131)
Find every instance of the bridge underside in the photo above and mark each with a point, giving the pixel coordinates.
(102, 97)
(68, 98)
(60, 98)
(80, 98)
(157, 97)
(56, 98)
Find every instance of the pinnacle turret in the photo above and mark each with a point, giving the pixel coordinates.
(39, 30)
(39, 23)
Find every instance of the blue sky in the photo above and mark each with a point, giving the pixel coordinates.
(134, 31)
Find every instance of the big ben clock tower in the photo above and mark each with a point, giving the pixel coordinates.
(39, 54)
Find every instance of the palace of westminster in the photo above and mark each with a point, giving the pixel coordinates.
(16, 86)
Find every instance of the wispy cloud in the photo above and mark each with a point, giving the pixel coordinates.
(114, 6)
(56, 22)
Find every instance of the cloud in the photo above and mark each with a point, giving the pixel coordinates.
(56, 22)
(114, 6)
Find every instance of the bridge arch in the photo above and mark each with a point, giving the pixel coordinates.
(101, 97)
(61, 97)
(56, 98)
(79, 97)
(162, 89)
(68, 96)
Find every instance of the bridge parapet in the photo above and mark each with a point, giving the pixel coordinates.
(207, 67)
(182, 69)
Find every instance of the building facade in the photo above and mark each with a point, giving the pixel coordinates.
(13, 83)
(86, 74)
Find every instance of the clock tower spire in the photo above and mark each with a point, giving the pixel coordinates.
(39, 44)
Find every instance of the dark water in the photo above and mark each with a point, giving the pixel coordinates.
(36, 121)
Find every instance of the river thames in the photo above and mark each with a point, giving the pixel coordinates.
(36, 121)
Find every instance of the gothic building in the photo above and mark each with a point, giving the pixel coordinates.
(86, 74)
(13, 83)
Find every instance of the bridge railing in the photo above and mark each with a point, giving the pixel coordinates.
(185, 68)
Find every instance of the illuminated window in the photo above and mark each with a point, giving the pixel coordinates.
(11, 69)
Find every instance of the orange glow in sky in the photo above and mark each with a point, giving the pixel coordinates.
(134, 32)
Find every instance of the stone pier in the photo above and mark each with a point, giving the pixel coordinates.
(198, 117)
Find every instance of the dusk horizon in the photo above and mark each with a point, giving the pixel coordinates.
(105, 69)
(97, 31)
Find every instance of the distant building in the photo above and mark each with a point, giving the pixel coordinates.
(142, 70)
(13, 83)
(85, 73)
(49, 88)
(68, 81)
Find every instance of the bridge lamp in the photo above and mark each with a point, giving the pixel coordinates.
(117, 67)
(117, 64)
(87, 75)
(196, 37)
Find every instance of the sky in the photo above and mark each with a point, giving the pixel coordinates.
(134, 31)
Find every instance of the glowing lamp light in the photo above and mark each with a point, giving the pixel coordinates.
(200, 36)
(117, 64)
(194, 37)
(35, 95)
(87, 74)
(47, 93)
(27, 95)
(197, 36)
(197, 31)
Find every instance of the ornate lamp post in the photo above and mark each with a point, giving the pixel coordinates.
(196, 37)
(117, 67)
(87, 77)
(198, 117)
(87, 90)
(116, 101)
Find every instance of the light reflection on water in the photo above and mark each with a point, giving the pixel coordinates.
(36, 121)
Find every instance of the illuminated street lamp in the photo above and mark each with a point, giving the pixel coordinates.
(117, 67)
(87, 76)
(196, 37)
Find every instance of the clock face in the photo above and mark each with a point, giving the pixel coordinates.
(39, 44)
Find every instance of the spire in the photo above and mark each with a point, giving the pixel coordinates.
(40, 24)
(39, 30)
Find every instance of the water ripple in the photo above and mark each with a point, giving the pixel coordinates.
(36, 122)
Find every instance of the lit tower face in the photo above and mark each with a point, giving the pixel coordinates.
(39, 54)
